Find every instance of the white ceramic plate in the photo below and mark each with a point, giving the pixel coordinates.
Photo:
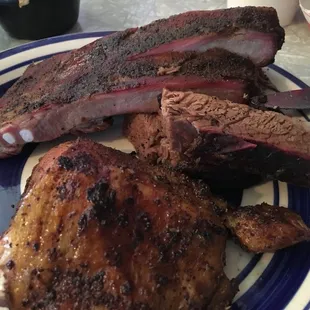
(269, 281)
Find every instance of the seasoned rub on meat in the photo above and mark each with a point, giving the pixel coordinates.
(252, 32)
(227, 144)
(41, 108)
(265, 228)
(116, 74)
(98, 229)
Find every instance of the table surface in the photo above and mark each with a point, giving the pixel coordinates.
(97, 15)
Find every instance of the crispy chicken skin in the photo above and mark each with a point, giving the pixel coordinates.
(265, 228)
(98, 229)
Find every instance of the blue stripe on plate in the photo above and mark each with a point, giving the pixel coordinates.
(276, 193)
(248, 268)
(5, 86)
(288, 75)
(304, 115)
(11, 170)
(288, 264)
(52, 40)
(287, 269)
(279, 285)
(28, 62)
(294, 80)
(254, 261)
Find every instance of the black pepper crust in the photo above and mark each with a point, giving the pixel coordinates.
(129, 239)
(213, 65)
(82, 162)
(42, 84)
(207, 145)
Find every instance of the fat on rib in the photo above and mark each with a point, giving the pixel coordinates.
(42, 107)
(227, 144)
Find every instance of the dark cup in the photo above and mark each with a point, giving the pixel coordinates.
(39, 19)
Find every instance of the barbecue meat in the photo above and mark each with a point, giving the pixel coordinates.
(226, 291)
(41, 107)
(98, 229)
(122, 73)
(265, 228)
(252, 32)
(227, 144)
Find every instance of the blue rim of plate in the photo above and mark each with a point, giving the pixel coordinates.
(290, 266)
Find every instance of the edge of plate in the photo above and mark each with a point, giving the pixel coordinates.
(34, 44)
(62, 38)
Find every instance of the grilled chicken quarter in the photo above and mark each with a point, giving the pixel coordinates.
(98, 229)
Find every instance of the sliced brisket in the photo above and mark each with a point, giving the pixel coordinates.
(42, 107)
(253, 32)
(265, 228)
(228, 145)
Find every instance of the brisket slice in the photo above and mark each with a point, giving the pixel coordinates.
(228, 145)
(47, 103)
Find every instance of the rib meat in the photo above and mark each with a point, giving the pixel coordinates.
(70, 90)
(252, 32)
(98, 229)
(42, 107)
(227, 144)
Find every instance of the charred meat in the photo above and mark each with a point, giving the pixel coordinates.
(98, 229)
(32, 113)
(227, 144)
(122, 73)
(251, 32)
(265, 228)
